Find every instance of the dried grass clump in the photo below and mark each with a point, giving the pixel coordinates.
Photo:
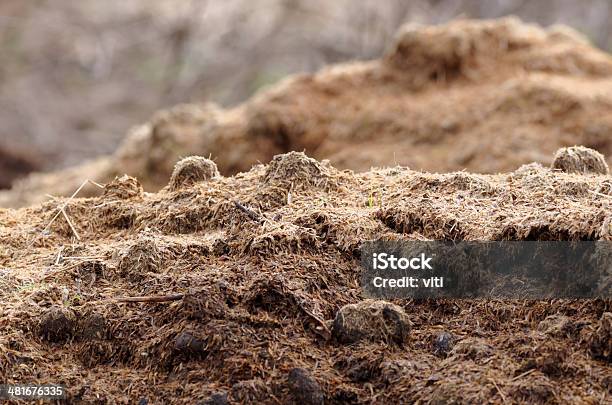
(123, 188)
(283, 237)
(473, 348)
(191, 170)
(578, 159)
(57, 324)
(297, 169)
(556, 326)
(140, 258)
(537, 389)
(371, 320)
(528, 169)
(250, 391)
(468, 48)
(600, 339)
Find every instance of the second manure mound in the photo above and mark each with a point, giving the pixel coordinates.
(456, 96)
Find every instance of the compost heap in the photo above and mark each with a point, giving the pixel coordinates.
(486, 96)
(246, 288)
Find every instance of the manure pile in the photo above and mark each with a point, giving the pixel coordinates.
(486, 96)
(246, 288)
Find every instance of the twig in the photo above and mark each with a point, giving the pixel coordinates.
(251, 214)
(150, 298)
(59, 212)
(70, 224)
(523, 374)
(501, 393)
(600, 194)
(59, 256)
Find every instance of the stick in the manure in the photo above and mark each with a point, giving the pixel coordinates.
(63, 206)
(151, 298)
(70, 223)
(251, 214)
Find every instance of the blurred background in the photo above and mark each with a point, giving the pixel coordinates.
(76, 75)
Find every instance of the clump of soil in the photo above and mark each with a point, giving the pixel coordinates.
(192, 170)
(216, 292)
(305, 389)
(443, 98)
(57, 324)
(188, 344)
(371, 320)
(443, 343)
(578, 159)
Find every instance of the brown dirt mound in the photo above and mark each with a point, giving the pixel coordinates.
(233, 287)
(487, 96)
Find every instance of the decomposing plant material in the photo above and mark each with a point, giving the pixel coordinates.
(600, 338)
(246, 288)
(222, 290)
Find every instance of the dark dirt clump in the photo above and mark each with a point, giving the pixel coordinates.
(305, 389)
(57, 324)
(218, 398)
(443, 343)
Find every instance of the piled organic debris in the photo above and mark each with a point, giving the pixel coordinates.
(246, 289)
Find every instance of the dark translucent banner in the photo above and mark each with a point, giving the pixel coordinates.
(509, 269)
